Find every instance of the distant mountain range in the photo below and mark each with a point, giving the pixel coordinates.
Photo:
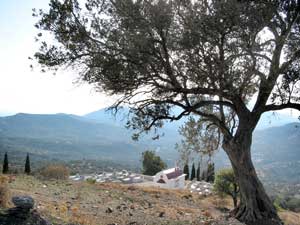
(100, 135)
(66, 137)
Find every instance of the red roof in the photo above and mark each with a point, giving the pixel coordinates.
(174, 174)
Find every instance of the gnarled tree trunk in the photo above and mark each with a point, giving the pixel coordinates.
(255, 206)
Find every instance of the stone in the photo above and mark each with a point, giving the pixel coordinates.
(109, 210)
(162, 214)
(23, 202)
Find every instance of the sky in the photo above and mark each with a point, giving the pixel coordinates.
(30, 91)
(27, 91)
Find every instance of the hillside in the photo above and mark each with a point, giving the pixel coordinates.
(70, 137)
(277, 151)
(100, 136)
(278, 143)
(65, 137)
(66, 202)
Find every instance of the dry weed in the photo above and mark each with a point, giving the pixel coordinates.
(290, 218)
(57, 172)
(4, 192)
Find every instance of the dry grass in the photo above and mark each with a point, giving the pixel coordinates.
(224, 202)
(163, 191)
(57, 172)
(290, 218)
(4, 192)
(71, 214)
(86, 204)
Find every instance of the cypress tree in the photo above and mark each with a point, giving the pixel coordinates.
(203, 176)
(27, 165)
(193, 173)
(211, 172)
(5, 164)
(186, 171)
(212, 176)
(198, 175)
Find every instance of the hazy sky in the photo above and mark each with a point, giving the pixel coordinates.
(24, 90)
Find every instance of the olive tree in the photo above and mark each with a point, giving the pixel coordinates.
(207, 58)
(226, 183)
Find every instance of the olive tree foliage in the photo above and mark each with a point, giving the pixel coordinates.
(206, 58)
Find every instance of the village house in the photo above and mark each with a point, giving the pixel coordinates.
(172, 178)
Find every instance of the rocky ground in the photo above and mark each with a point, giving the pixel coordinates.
(66, 202)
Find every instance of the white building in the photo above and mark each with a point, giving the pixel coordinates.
(171, 178)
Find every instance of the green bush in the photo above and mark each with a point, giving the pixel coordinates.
(293, 204)
(91, 181)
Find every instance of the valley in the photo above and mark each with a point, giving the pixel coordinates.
(101, 137)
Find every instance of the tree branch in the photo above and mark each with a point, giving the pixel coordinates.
(274, 107)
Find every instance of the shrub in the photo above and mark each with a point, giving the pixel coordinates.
(4, 192)
(293, 204)
(57, 172)
(91, 181)
(278, 204)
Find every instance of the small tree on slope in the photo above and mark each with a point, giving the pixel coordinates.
(5, 164)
